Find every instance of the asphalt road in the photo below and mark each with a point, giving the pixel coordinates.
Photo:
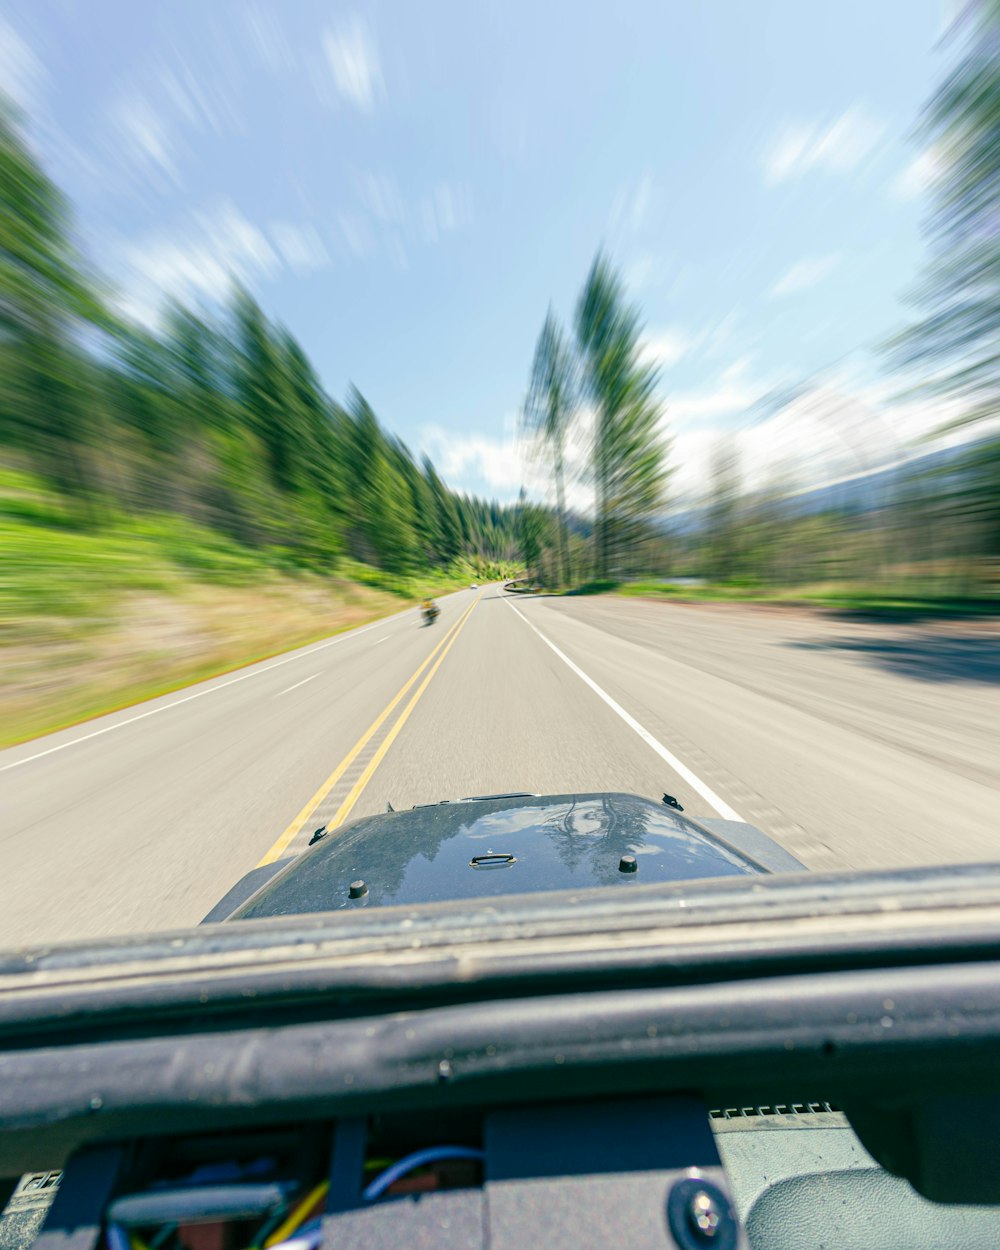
(854, 745)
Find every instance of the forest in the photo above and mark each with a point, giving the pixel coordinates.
(220, 421)
(141, 469)
(929, 530)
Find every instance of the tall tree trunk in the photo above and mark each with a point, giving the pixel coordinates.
(564, 569)
(603, 537)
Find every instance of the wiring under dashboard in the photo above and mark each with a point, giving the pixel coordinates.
(308, 1237)
(118, 1238)
(204, 1216)
(419, 1158)
(297, 1217)
(276, 1231)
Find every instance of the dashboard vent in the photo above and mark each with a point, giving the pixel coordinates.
(778, 1108)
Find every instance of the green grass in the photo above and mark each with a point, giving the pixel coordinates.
(860, 599)
(77, 575)
(69, 585)
(424, 584)
(55, 570)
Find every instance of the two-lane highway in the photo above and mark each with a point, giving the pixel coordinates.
(144, 818)
(810, 728)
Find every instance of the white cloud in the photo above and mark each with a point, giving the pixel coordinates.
(833, 430)
(919, 176)
(835, 426)
(821, 434)
(666, 346)
(353, 61)
(386, 221)
(22, 75)
(300, 246)
(499, 465)
(804, 274)
(151, 118)
(728, 396)
(199, 261)
(144, 135)
(739, 367)
(838, 147)
(200, 102)
(465, 459)
(918, 418)
(691, 453)
(196, 263)
(696, 418)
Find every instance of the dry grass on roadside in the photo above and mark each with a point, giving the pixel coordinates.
(155, 642)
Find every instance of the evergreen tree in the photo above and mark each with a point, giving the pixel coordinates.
(628, 451)
(548, 411)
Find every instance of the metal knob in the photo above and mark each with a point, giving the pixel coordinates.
(704, 1215)
(700, 1215)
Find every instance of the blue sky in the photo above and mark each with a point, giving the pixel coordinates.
(408, 185)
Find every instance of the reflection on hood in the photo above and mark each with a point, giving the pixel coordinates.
(558, 842)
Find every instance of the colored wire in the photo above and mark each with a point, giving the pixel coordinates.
(309, 1237)
(430, 1154)
(282, 1232)
(162, 1237)
(268, 1227)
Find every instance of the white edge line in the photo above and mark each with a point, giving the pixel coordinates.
(694, 781)
(288, 689)
(253, 672)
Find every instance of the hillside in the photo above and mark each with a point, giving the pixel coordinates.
(94, 617)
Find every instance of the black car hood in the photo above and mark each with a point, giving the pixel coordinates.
(550, 842)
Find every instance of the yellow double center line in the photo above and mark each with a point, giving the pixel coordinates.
(434, 660)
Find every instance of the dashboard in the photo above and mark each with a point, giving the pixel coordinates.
(561, 1071)
(641, 1173)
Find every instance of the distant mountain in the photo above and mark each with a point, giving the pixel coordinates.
(857, 494)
